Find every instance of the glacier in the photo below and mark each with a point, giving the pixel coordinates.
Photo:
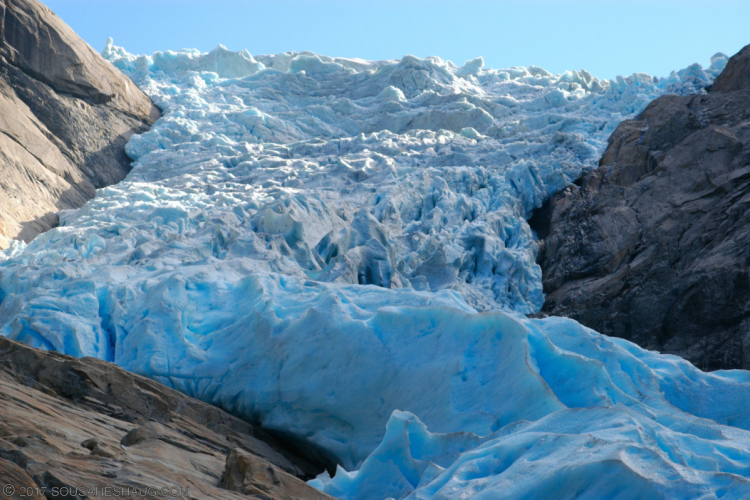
(589, 417)
(338, 249)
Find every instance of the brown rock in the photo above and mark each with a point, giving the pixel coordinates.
(65, 116)
(250, 475)
(143, 434)
(15, 484)
(62, 421)
(97, 448)
(37, 41)
(54, 488)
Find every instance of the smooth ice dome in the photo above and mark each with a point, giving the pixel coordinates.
(322, 244)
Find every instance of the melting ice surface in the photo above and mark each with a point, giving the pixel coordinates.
(338, 248)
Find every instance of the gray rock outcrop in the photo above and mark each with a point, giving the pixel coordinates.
(65, 116)
(654, 245)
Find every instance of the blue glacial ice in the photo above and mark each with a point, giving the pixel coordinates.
(323, 245)
(603, 419)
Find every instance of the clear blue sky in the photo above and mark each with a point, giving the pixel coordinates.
(606, 37)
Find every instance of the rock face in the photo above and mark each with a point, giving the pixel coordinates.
(68, 422)
(736, 76)
(251, 475)
(65, 116)
(654, 245)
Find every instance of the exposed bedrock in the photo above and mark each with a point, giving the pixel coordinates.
(654, 245)
(85, 423)
(65, 116)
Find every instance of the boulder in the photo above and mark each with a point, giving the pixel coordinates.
(250, 475)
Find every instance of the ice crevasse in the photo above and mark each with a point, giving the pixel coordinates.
(338, 248)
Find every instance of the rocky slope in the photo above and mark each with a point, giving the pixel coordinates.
(654, 245)
(65, 116)
(86, 424)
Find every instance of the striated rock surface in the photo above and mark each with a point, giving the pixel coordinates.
(654, 245)
(68, 422)
(250, 475)
(65, 116)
